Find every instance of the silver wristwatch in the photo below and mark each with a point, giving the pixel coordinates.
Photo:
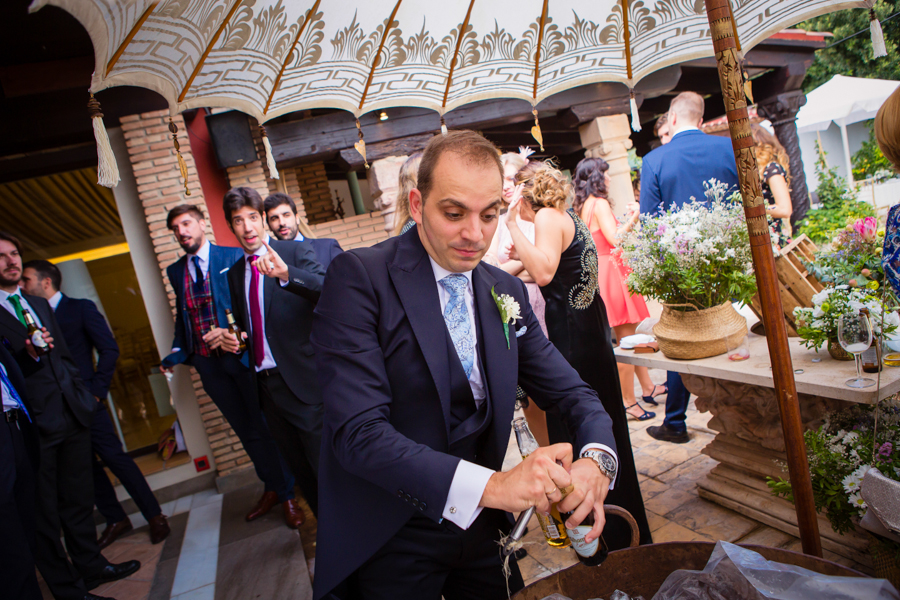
(604, 460)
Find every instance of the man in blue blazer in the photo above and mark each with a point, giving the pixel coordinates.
(673, 175)
(85, 330)
(281, 215)
(202, 296)
(419, 376)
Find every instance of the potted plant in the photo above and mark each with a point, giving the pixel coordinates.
(841, 451)
(854, 254)
(696, 260)
(819, 324)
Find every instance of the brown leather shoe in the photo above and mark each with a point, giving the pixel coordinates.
(293, 514)
(265, 504)
(159, 529)
(112, 532)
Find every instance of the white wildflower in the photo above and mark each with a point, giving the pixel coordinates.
(857, 502)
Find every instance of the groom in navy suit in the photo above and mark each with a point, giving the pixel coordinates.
(419, 378)
(671, 176)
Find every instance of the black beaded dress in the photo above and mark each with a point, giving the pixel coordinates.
(578, 327)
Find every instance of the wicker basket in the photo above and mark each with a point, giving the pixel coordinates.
(698, 333)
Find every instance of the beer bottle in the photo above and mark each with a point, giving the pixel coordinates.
(233, 328)
(34, 332)
(551, 524)
(592, 554)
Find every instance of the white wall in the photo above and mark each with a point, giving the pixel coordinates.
(857, 133)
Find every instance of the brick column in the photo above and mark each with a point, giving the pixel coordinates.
(153, 159)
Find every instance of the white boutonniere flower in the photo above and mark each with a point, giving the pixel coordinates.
(510, 312)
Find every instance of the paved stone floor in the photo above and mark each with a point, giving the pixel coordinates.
(213, 554)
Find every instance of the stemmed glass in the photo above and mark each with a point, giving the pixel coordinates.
(855, 337)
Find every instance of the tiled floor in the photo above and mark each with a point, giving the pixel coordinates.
(214, 554)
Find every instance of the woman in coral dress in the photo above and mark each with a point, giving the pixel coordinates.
(625, 310)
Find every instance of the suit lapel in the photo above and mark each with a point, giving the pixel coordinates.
(11, 324)
(500, 362)
(413, 279)
(268, 284)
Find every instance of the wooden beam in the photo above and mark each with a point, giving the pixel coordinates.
(351, 160)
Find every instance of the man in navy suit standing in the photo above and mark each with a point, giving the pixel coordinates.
(85, 330)
(281, 215)
(419, 375)
(671, 176)
(202, 296)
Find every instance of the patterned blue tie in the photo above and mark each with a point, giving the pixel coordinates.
(13, 393)
(456, 315)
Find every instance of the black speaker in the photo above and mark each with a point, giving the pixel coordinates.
(231, 138)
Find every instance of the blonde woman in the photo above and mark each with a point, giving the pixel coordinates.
(887, 128)
(563, 261)
(775, 175)
(408, 180)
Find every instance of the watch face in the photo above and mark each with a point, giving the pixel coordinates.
(607, 461)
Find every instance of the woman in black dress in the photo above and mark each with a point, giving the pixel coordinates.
(774, 173)
(563, 261)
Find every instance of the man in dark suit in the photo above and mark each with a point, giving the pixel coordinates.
(62, 409)
(18, 464)
(420, 378)
(85, 330)
(671, 176)
(281, 215)
(202, 297)
(274, 289)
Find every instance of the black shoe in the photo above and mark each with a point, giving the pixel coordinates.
(95, 597)
(664, 433)
(112, 572)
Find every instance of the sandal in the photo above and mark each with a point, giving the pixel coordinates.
(644, 416)
(651, 398)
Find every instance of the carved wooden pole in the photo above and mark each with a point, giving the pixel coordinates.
(720, 25)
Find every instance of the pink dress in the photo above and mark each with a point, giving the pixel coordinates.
(621, 305)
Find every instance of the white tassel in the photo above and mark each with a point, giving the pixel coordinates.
(635, 121)
(107, 169)
(443, 129)
(878, 48)
(270, 159)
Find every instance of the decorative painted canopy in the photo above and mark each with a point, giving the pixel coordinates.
(271, 57)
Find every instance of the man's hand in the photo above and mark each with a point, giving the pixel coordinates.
(271, 265)
(223, 339)
(29, 347)
(166, 370)
(591, 487)
(535, 482)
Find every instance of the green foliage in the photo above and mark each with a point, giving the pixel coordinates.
(869, 162)
(853, 57)
(839, 206)
(854, 256)
(840, 452)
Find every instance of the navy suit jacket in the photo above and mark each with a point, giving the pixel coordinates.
(381, 349)
(673, 173)
(85, 330)
(220, 260)
(56, 378)
(288, 312)
(326, 249)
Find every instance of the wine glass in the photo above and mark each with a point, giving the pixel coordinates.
(855, 337)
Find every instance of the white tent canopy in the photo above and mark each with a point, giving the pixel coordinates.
(842, 101)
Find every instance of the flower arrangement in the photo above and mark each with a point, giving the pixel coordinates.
(840, 453)
(819, 324)
(698, 254)
(854, 256)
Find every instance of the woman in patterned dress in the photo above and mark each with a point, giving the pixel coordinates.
(774, 173)
(563, 261)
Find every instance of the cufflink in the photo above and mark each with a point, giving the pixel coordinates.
(452, 510)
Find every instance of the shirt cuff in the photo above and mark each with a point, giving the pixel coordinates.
(466, 491)
(284, 282)
(609, 451)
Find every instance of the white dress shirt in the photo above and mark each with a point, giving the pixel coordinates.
(5, 303)
(54, 300)
(471, 479)
(8, 402)
(203, 254)
(268, 361)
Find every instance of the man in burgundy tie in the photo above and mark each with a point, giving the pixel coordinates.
(274, 290)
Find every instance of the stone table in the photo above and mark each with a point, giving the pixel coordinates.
(749, 444)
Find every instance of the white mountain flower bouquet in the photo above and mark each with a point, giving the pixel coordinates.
(819, 324)
(698, 254)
